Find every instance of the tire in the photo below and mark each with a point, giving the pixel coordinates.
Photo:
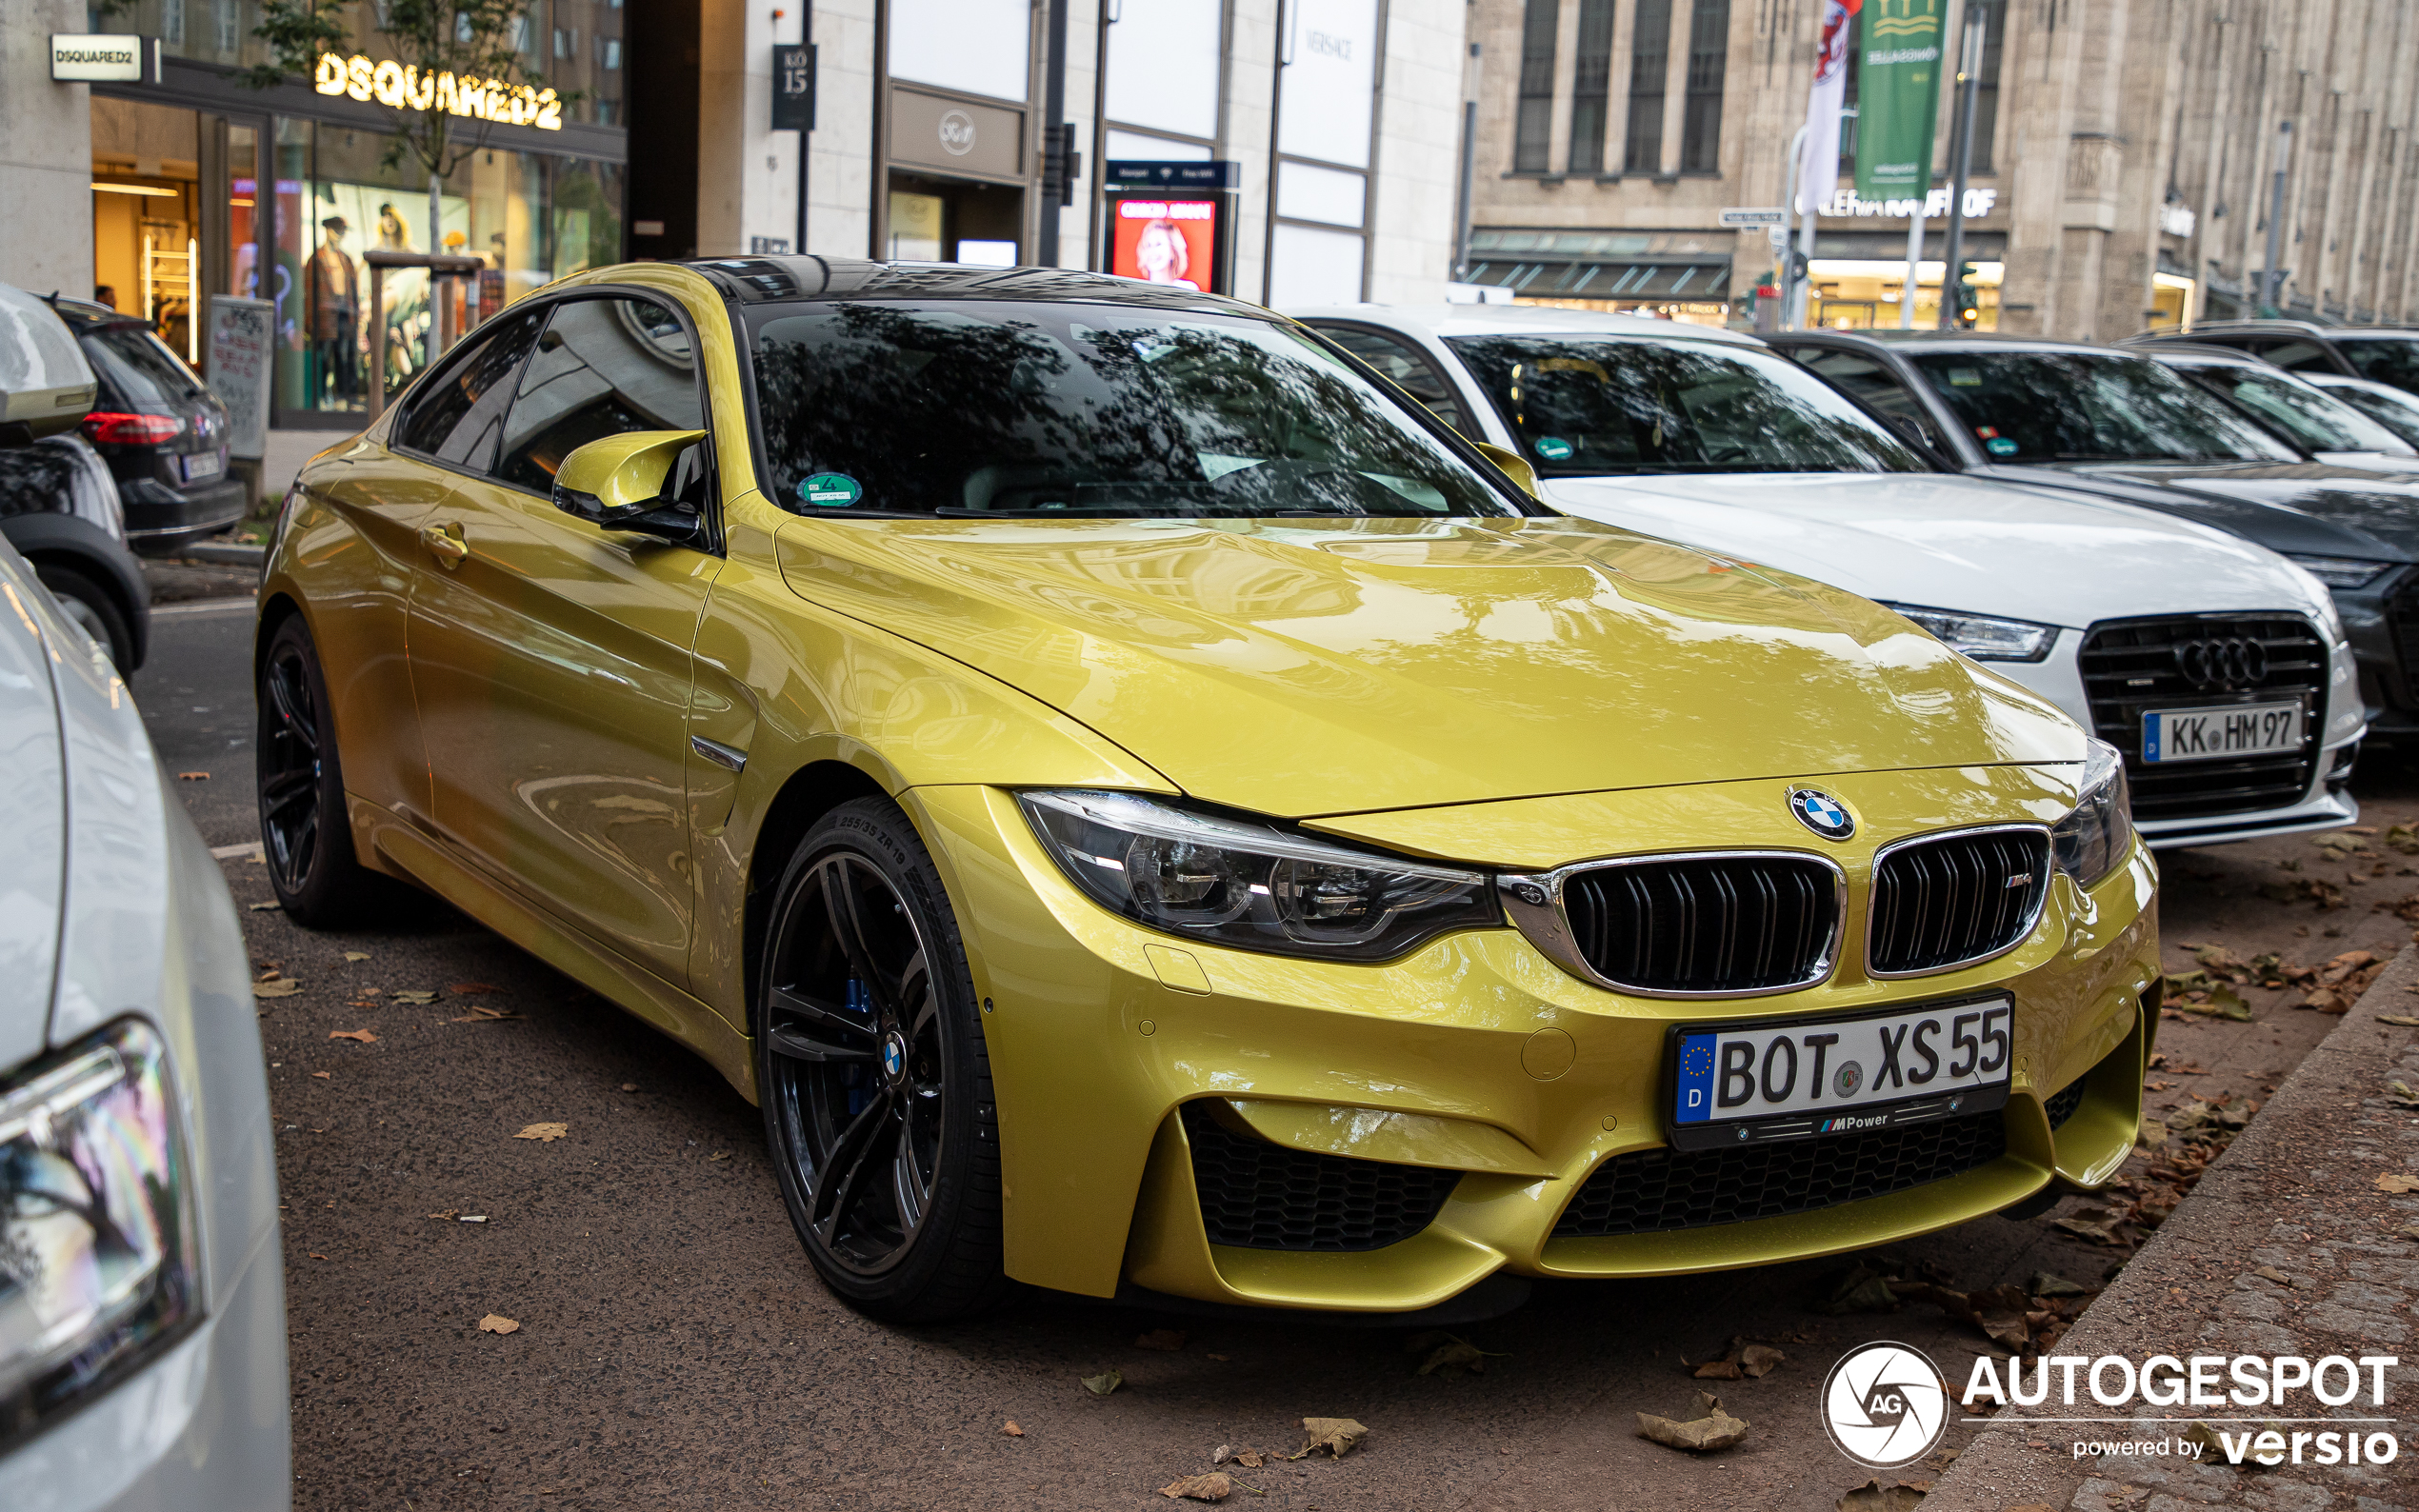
(873, 1076)
(306, 836)
(92, 608)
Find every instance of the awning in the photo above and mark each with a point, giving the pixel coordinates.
(1700, 278)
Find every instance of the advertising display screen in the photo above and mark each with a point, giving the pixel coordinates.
(1166, 241)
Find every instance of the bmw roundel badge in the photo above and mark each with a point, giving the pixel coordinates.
(1822, 813)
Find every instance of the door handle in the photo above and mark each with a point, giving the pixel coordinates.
(445, 542)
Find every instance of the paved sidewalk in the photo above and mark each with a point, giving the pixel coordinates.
(2287, 1246)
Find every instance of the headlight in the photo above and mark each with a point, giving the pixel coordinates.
(1982, 636)
(1249, 885)
(97, 1241)
(2091, 841)
(2339, 571)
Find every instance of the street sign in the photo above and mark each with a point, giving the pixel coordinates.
(1777, 235)
(793, 70)
(1132, 173)
(84, 58)
(1742, 216)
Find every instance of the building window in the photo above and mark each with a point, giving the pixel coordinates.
(1987, 89)
(1847, 120)
(1709, 55)
(1650, 60)
(1534, 126)
(1591, 84)
(173, 22)
(229, 32)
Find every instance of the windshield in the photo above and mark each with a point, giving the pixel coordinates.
(146, 377)
(2085, 406)
(1583, 406)
(2387, 359)
(2394, 409)
(2303, 414)
(989, 409)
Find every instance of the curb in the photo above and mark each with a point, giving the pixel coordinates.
(2166, 1298)
(224, 554)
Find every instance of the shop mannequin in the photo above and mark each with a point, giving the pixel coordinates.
(335, 310)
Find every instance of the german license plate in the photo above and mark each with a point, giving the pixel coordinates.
(2213, 734)
(1748, 1081)
(200, 464)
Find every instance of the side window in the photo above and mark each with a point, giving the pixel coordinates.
(604, 366)
(457, 414)
(2298, 356)
(1869, 381)
(1405, 366)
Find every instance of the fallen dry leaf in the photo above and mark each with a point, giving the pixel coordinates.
(282, 987)
(2397, 1181)
(481, 1013)
(320, 1075)
(2400, 1094)
(1874, 1497)
(467, 990)
(1222, 1359)
(264, 908)
(2050, 1284)
(1709, 1428)
(544, 1133)
(1759, 1360)
(447, 1216)
(1250, 1459)
(2271, 1273)
(499, 1324)
(719, 1155)
(1335, 1435)
(1010, 1430)
(2405, 1019)
(315, 1255)
(1454, 1356)
(192, 777)
(414, 996)
(363, 1036)
(1211, 1487)
(1107, 1382)
(1168, 1340)
(356, 955)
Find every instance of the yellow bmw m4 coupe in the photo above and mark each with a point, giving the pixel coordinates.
(1143, 806)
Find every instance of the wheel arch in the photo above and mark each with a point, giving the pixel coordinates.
(71, 542)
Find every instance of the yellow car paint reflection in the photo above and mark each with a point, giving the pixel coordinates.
(543, 727)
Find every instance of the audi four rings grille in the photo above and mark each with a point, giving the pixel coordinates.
(2197, 661)
(1257, 1195)
(1714, 923)
(1947, 900)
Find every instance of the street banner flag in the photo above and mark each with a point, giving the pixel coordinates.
(1898, 98)
(1820, 175)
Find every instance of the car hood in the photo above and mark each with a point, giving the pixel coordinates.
(1303, 668)
(1952, 543)
(2313, 508)
(33, 824)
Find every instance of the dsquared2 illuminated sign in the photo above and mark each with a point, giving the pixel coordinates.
(403, 86)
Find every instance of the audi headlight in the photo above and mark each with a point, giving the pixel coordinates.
(2093, 840)
(1983, 637)
(2339, 571)
(1235, 882)
(97, 1243)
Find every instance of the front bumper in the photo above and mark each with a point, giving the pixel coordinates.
(1477, 1056)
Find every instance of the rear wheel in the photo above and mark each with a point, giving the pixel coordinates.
(875, 1082)
(306, 837)
(93, 609)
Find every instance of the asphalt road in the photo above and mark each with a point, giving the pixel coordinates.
(674, 1349)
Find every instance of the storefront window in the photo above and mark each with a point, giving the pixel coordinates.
(147, 214)
(531, 217)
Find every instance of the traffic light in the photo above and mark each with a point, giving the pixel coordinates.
(1964, 294)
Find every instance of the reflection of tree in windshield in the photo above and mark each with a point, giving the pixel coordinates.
(982, 409)
(1583, 407)
(2069, 407)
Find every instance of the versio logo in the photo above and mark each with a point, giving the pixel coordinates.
(1884, 1406)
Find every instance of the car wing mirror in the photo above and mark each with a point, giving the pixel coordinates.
(1513, 465)
(617, 483)
(1916, 434)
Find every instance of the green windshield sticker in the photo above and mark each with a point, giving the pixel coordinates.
(830, 491)
(2000, 447)
(1964, 378)
(1553, 449)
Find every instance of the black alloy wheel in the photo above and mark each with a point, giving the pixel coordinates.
(306, 837)
(873, 1076)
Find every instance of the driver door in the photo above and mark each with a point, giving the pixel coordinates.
(551, 658)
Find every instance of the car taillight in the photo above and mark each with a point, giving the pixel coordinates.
(109, 429)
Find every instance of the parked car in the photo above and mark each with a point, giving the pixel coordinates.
(2387, 355)
(1709, 437)
(142, 1301)
(2111, 423)
(2291, 409)
(161, 430)
(1031, 730)
(58, 505)
(2397, 409)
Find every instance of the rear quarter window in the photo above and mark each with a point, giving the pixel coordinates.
(141, 371)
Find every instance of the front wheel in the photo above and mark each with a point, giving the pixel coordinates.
(875, 1079)
(306, 836)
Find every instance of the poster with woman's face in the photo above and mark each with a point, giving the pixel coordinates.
(1166, 241)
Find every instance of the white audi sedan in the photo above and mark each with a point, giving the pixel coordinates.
(2217, 667)
(142, 1293)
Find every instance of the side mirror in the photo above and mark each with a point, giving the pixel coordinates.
(1916, 434)
(1514, 466)
(617, 483)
